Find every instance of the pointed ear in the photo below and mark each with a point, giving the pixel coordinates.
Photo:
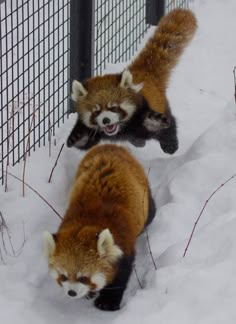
(50, 244)
(127, 82)
(107, 247)
(78, 90)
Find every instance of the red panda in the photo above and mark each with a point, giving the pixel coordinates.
(133, 105)
(110, 205)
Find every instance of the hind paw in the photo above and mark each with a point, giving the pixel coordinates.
(78, 140)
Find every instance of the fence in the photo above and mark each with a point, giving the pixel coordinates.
(47, 43)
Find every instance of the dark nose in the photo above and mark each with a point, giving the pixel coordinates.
(106, 121)
(72, 293)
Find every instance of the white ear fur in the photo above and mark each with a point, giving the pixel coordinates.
(127, 81)
(50, 244)
(78, 90)
(106, 246)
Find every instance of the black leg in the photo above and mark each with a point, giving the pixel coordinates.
(168, 138)
(110, 297)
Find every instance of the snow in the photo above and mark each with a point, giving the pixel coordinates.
(200, 288)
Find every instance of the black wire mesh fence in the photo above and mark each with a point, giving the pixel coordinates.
(34, 74)
(171, 4)
(44, 44)
(118, 29)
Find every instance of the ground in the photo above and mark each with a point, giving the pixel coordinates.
(199, 288)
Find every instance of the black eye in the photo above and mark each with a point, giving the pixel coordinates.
(84, 280)
(114, 109)
(63, 278)
(96, 113)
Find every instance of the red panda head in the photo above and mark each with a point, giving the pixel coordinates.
(105, 103)
(82, 262)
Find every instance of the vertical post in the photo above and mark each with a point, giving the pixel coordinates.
(155, 9)
(81, 39)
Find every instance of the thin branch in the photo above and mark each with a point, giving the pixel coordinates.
(37, 193)
(4, 229)
(25, 155)
(150, 251)
(202, 210)
(147, 236)
(50, 139)
(136, 274)
(50, 177)
(234, 72)
(10, 127)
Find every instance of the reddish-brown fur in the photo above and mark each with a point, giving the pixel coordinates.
(160, 55)
(110, 188)
(110, 191)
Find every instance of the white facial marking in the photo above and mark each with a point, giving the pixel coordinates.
(99, 280)
(64, 273)
(129, 108)
(79, 274)
(97, 108)
(112, 104)
(75, 290)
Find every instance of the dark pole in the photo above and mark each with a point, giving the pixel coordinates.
(81, 40)
(155, 9)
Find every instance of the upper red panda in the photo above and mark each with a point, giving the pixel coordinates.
(94, 247)
(133, 105)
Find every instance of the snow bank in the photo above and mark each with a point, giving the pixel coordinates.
(199, 288)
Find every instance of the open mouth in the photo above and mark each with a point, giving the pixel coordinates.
(111, 130)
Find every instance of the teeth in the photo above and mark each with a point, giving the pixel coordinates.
(111, 129)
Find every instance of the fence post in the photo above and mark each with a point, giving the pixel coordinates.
(155, 9)
(81, 40)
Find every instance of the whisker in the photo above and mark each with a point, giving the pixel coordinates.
(113, 288)
(95, 132)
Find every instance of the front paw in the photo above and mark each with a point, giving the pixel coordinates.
(106, 303)
(155, 121)
(169, 147)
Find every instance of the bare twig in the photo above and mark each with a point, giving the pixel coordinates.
(150, 251)
(50, 177)
(10, 127)
(50, 139)
(202, 210)
(8, 154)
(4, 230)
(136, 274)
(37, 193)
(147, 236)
(234, 72)
(25, 153)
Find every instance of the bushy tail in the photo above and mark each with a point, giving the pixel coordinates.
(155, 62)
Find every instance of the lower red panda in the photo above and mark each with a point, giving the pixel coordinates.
(94, 247)
(133, 105)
